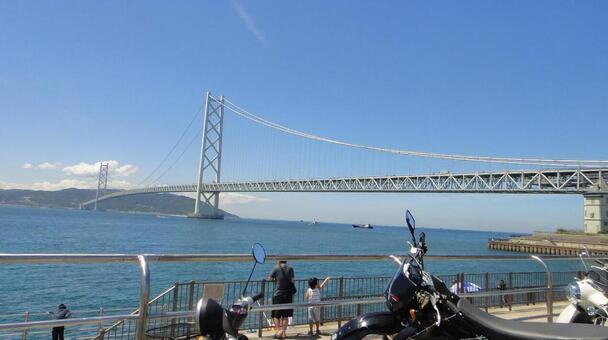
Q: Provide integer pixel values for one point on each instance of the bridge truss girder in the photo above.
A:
(577, 181)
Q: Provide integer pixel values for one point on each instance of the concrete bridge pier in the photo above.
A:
(208, 207)
(596, 212)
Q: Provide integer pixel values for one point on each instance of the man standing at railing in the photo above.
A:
(62, 312)
(284, 290)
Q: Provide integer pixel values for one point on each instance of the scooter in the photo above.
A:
(420, 306)
(587, 296)
(217, 323)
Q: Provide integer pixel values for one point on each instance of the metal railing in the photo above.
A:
(142, 316)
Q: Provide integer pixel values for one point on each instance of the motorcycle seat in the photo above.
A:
(497, 328)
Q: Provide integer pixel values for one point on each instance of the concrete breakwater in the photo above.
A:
(553, 244)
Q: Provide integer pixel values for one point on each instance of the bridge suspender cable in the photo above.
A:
(502, 160)
(196, 115)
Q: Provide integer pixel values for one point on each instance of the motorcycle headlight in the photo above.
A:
(574, 291)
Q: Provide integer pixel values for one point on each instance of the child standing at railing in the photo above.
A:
(313, 295)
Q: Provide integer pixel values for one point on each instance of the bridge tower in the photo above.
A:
(209, 167)
(102, 182)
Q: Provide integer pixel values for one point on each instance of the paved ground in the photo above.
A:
(532, 313)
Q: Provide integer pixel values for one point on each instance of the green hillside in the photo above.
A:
(71, 198)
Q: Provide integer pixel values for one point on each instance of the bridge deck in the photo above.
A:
(562, 181)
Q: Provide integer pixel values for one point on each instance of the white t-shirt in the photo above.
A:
(314, 295)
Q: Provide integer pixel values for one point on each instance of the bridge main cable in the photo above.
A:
(482, 159)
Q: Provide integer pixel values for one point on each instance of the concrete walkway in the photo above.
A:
(532, 313)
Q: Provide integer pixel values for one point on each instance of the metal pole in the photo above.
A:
(199, 186)
(261, 315)
(191, 295)
(144, 297)
(26, 317)
(549, 288)
(175, 301)
(99, 326)
(340, 296)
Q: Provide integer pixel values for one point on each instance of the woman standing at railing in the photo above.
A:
(284, 290)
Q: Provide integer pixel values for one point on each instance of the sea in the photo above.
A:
(41, 287)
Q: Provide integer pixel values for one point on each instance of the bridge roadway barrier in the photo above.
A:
(344, 297)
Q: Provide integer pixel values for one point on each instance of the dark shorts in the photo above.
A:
(282, 313)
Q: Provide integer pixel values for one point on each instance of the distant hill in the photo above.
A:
(71, 198)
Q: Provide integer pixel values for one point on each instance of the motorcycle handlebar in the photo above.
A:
(257, 296)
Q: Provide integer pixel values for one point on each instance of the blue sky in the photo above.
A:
(83, 82)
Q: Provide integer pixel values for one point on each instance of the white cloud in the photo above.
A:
(28, 165)
(49, 166)
(249, 22)
(230, 198)
(233, 198)
(83, 169)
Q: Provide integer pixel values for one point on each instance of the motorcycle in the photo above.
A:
(420, 306)
(587, 296)
(217, 323)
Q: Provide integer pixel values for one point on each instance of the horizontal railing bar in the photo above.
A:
(88, 258)
(509, 291)
(261, 308)
(65, 322)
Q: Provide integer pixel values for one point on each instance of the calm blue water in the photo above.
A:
(83, 286)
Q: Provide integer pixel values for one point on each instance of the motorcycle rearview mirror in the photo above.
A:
(259, 255)
(422, 238)
(411, 224)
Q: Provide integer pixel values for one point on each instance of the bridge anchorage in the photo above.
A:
(586, 178)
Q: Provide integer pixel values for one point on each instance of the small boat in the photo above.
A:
(363, 226)
(314, 222)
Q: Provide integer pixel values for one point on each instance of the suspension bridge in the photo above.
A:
(588, 178)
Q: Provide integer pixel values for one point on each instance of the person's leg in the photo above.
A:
(318, 324)
(61, 329)
(55, 333)
(285, 323)
(276, 323)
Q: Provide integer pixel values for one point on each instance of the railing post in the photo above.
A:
(144, 297)
(99, 326)
(261, 302)
(510, 299)
(340, 297)
(26, 317)
(460, 285)
(486, 286)
(549, 288)
(175, 300)
(191, 295)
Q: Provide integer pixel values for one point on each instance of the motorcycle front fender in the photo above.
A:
(573, 314)
(380, 323)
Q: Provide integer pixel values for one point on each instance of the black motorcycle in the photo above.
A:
(217, 323)
(420, 306)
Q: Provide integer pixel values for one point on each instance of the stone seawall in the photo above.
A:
(552, 244)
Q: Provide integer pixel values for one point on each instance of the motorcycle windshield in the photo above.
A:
(400, 292)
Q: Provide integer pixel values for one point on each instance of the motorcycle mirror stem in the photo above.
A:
(259, 256)
(583, 261)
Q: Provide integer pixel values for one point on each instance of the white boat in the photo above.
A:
(363, 226)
